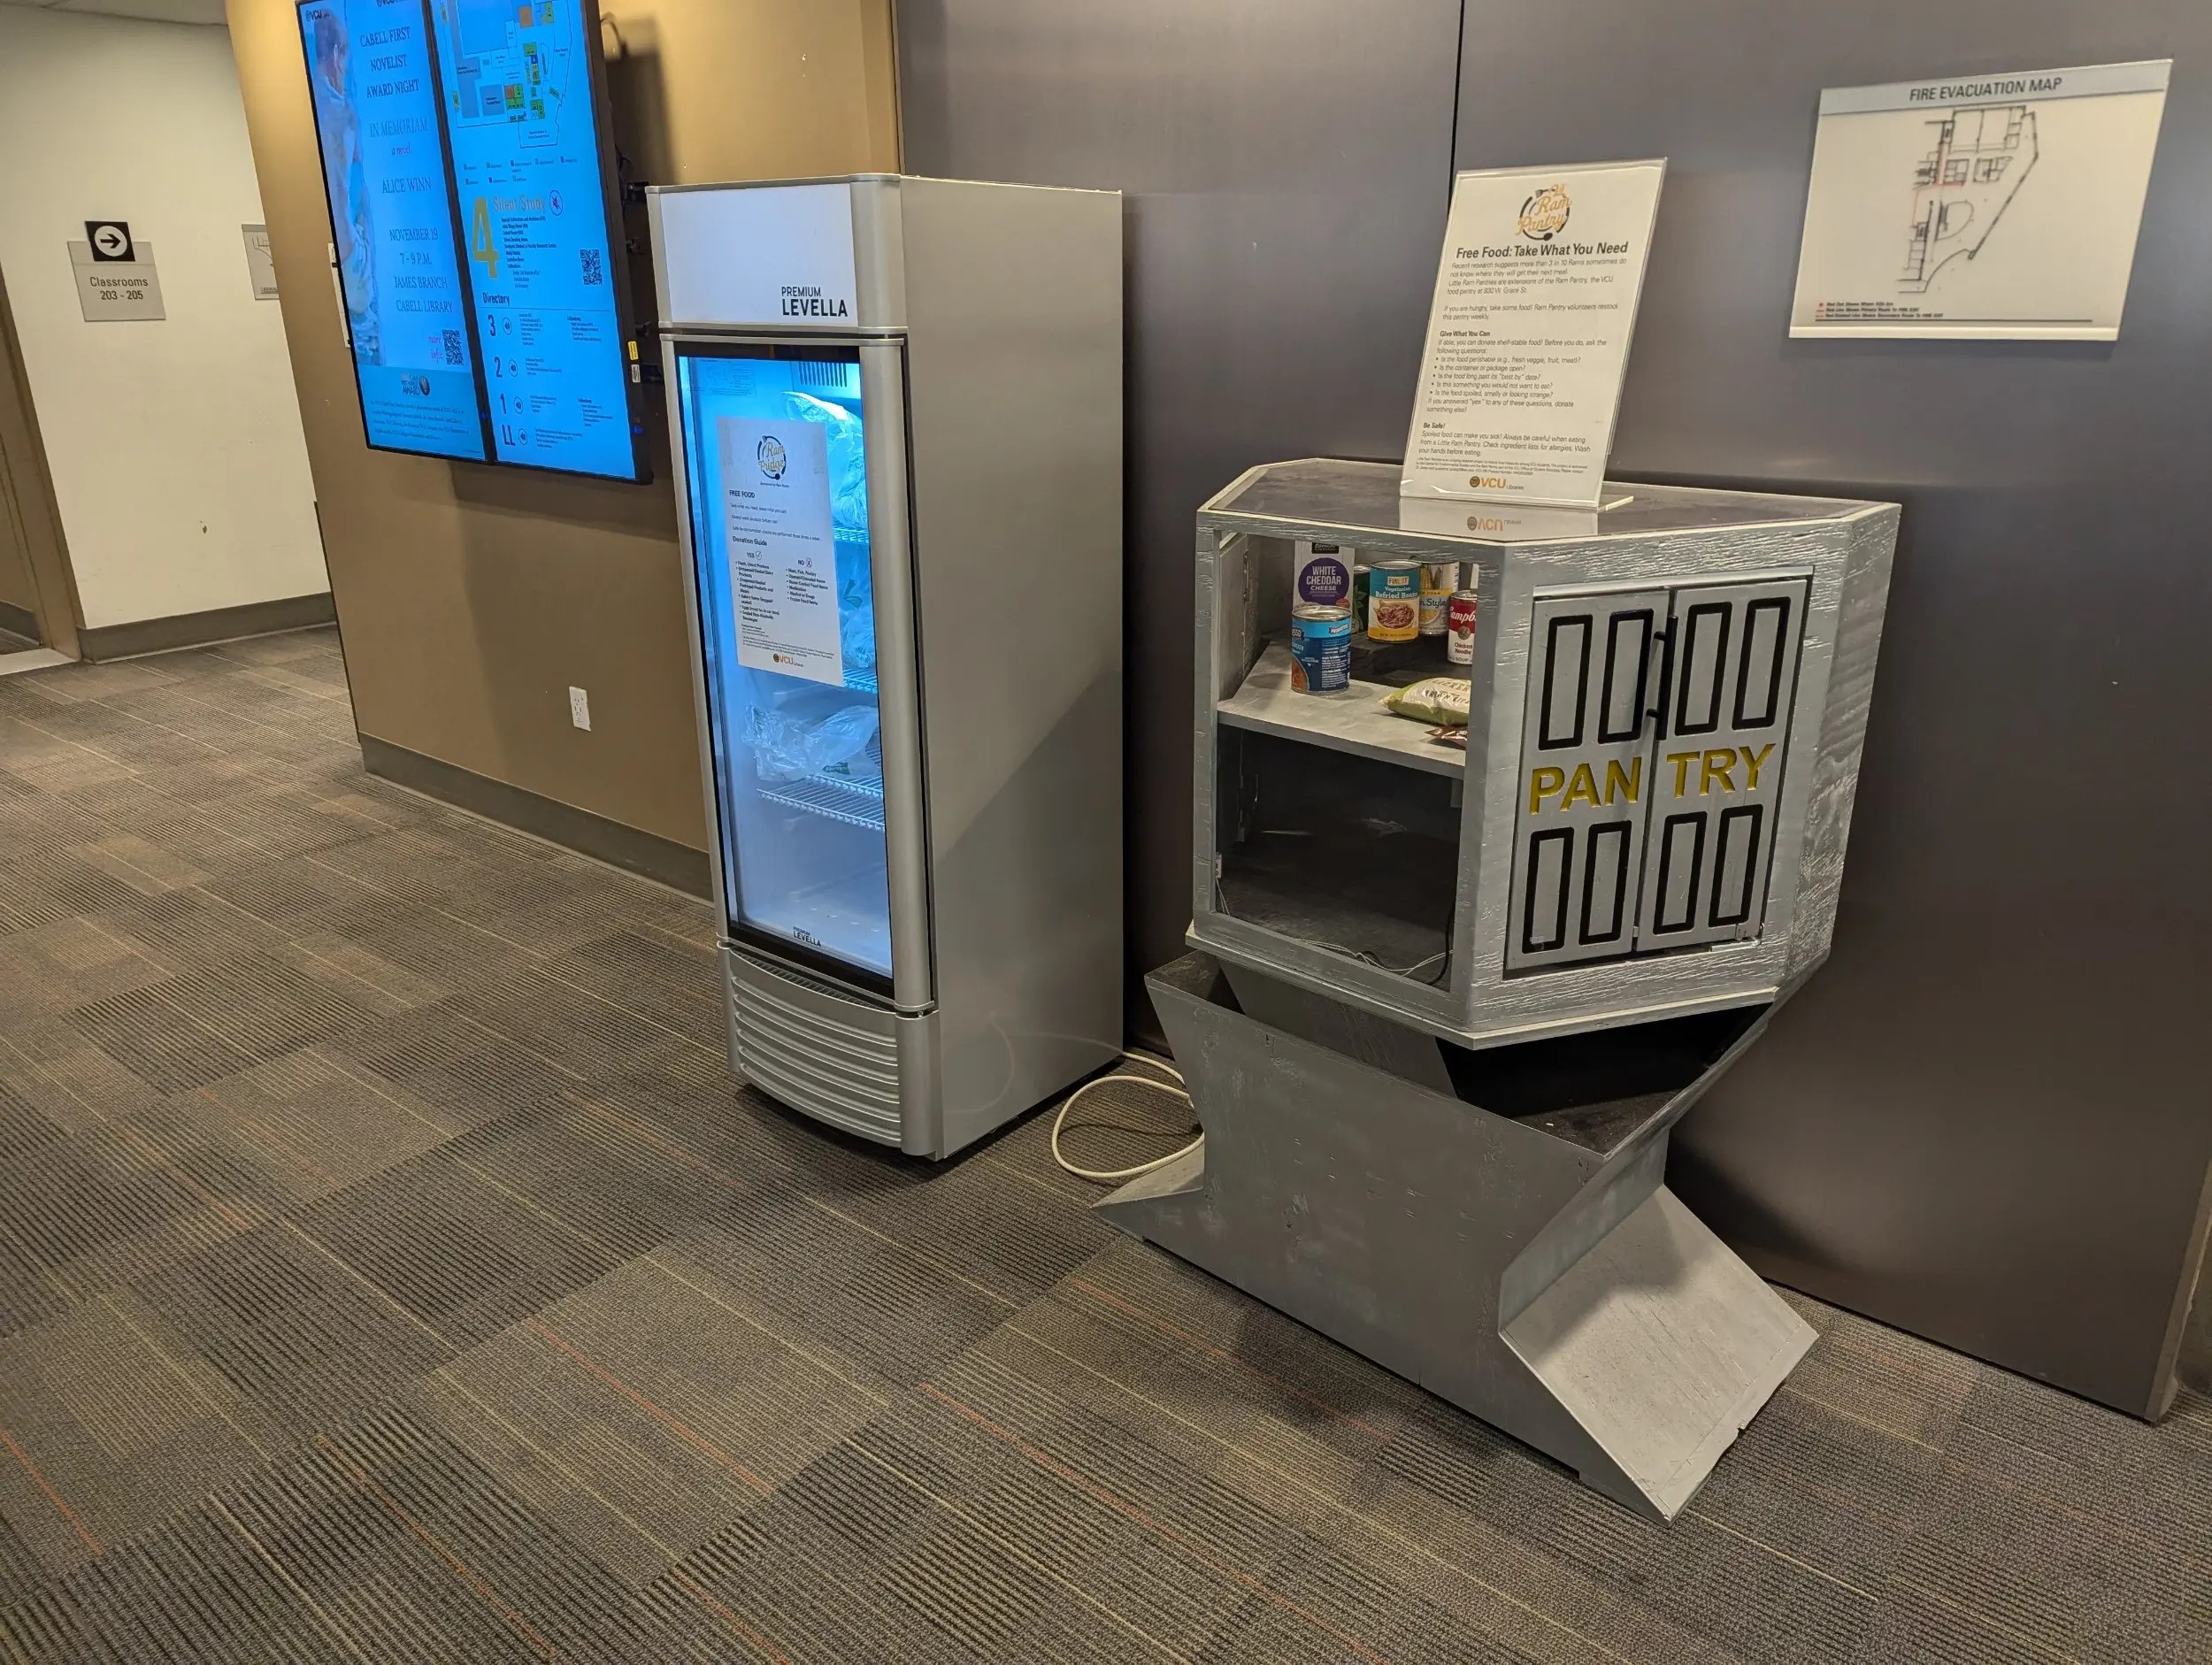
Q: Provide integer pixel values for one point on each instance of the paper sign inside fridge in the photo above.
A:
(783, 562)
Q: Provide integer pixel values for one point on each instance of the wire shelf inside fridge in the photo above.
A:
(856, 802)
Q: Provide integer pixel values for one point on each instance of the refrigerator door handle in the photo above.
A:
(898, 675)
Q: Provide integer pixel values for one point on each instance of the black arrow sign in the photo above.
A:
(111, 239)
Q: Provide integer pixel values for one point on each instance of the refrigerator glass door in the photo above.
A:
(775, 440)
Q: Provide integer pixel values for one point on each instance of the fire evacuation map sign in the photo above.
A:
(1989, 207)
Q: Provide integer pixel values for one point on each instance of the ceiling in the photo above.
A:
(163, 11)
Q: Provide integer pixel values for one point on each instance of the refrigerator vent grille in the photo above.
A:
(833, 1058)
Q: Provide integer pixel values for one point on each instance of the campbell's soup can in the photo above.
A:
(1322, 576)
(1440, 579)
(1394, 600)
(1459, 636)
(1320, 649)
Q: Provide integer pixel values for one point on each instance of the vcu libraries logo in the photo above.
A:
(1544, 215)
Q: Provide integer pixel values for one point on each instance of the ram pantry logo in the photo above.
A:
(770, 455)
(1543, 216)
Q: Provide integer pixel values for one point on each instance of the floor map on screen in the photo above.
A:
(525, 164)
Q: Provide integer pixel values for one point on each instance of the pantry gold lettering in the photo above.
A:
(1622, 785)
(1719, 770)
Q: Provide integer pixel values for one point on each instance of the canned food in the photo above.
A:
(1320, 647)
(1394, 600)
(1459, 640)
(1438, 580)
(1323, 575)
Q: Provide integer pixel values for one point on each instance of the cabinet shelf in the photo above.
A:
(1354, 721)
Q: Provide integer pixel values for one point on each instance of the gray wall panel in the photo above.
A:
(1986, 1118)
(1288, 165)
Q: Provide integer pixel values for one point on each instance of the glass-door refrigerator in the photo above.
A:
(895, 413)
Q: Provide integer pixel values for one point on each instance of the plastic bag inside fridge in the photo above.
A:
(775, 439)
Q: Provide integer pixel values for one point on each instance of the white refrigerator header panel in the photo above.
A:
(780, 257)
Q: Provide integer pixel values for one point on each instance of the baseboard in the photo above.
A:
(197, 630)
(20, 621)
(676, 865)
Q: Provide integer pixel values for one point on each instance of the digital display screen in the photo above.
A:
(462, 158)
(391, 219)
(519, 128)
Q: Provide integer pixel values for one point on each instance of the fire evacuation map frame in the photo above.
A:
(1980, 206)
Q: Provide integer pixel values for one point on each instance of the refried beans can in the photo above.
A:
(1459, 639)
(1394, 600)
(1320, 647)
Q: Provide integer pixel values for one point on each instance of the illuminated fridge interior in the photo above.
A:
(797, 752)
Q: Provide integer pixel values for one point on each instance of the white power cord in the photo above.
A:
(1109, 1176)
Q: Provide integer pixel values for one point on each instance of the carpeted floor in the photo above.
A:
(389, 1271)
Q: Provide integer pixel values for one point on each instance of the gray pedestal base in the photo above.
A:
(1524, 1262)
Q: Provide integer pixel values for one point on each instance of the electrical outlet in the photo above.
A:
(579, 709)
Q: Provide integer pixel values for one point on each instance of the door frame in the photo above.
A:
(26, 497)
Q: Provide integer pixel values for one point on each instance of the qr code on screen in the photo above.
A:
(453, 346)
(595, 265)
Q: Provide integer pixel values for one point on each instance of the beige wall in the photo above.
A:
(472, 598)
(173, 447)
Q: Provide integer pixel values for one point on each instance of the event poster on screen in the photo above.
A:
(391, 213)
(1535, 302)
(779, 529)
(471, 229)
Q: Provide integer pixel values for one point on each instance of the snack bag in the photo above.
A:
(1441, 700)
